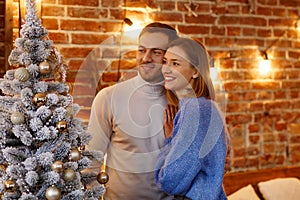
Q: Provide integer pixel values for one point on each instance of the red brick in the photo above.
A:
(270, 85)
(79, 38)
(75, 52)
(238, 119)
(203, 19)
(167, 5)
(166, 16)
(50, 24)
(82, 12)
(48, 10)
(79, 2)
(254, 139)
(59, 38)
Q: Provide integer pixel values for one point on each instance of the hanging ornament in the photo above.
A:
(57, 166)
(82, 148)
(17, 118)
(191, 7)
(44, 67)
(53, 193)
(10, 185)
(74, 154)
(70, 112)
(61, 126)
(3, 167)
(102, 177)
(83, 187)
(22, 74)
(69, 175)
(39, 99)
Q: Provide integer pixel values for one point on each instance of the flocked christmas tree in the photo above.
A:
(42, 142)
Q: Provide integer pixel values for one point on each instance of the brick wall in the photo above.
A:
(2, 34)
(262, 112)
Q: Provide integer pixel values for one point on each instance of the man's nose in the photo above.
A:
(147, 56)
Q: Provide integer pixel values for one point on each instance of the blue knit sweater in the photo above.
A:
(192, 160)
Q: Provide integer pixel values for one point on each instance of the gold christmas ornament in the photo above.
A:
(39, 99)
(82, 148)
(69, 175)
(57, 166)
(3, 167)
(70, 112)
(44, 67)
(61, 126)
(74, 154)
(53, 193)
(17, 118)
(10, 185)
(22, 74)
(102, 177)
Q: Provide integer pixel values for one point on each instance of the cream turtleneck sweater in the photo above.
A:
(126, 123)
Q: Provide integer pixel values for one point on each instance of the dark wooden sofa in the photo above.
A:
(234, 181)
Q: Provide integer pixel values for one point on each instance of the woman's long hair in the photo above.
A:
(198, 57)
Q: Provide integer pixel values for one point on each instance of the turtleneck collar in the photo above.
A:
(156, 89)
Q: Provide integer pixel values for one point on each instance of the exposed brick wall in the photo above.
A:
(2, 37)
(263, 113)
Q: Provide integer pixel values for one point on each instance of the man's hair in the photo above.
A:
(157, 27)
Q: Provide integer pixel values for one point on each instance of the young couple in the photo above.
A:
(161, 130)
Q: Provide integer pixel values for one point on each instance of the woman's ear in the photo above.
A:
(196, 74)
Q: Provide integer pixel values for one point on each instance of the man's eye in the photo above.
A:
(164, 61)
(158, 52)
(141, 50)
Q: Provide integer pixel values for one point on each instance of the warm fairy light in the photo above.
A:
(264, 67)
(132, 32)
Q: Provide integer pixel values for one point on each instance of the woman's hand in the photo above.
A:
(169, 116)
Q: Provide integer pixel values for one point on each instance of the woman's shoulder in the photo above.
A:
(188, 102)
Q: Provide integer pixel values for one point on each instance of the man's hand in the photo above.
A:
(169, 116)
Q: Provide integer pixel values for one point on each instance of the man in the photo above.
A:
(126, 121)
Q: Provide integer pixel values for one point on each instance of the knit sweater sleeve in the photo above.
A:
(193, 159)
(100, 125)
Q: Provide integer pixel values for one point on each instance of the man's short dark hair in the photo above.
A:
(157, 27)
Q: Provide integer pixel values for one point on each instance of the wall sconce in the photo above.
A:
(128, 21)
(264, 65)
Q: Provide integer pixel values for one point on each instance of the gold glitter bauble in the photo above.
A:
(53, 193)
(57, 166)
(69, 175)
(82, 148)
(44, 67)
(39, 99)
(61, 126)
(74, 155)
(22, 74)
(10, 186)
(102, 177)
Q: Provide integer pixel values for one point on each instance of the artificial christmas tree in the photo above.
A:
(42, 142)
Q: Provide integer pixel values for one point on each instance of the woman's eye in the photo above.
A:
(175, 64)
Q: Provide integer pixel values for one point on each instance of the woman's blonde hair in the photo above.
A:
(198, 57)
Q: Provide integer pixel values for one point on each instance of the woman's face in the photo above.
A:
(177, 70)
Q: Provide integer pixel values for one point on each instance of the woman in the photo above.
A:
(191, 164)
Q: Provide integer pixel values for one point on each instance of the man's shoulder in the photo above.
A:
(118, 86)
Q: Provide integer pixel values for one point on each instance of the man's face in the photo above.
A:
(150, 55)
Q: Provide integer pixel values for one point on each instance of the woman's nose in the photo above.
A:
(166, 68)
